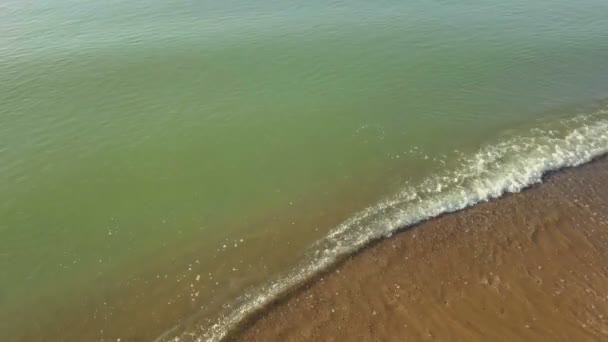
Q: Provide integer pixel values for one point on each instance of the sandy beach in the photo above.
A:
(531, 266)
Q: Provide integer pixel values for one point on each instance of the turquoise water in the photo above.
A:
(165, 163)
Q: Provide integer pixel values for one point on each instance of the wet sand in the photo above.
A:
(531, 266)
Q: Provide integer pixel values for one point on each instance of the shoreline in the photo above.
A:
(484, 177)
(274, 313)
(188, 326)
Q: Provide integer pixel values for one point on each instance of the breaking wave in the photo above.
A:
(508, 165)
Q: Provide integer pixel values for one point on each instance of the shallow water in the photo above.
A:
(145, 145)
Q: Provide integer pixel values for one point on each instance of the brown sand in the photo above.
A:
(531, 266)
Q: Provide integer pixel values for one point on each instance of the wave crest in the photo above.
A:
(507, 166)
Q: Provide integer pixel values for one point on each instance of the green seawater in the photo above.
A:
(160, 159)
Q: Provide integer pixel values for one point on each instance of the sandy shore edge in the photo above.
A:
(345, 293)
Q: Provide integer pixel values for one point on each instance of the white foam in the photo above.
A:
(507, 166)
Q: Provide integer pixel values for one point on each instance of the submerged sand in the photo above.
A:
(529, 266)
